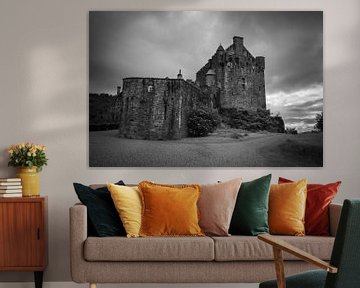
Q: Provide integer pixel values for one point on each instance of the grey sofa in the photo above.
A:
(234, 259)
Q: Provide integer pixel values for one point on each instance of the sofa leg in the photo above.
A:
(92, 285)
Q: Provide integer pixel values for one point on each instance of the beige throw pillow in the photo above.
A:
(216, 205)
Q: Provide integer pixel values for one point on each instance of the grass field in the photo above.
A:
(221, 149)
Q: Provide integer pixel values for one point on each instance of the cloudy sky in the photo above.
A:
(158, 44)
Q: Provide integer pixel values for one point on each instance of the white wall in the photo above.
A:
(44, 99)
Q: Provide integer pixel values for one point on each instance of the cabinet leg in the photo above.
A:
(92, 285)
(38, 279)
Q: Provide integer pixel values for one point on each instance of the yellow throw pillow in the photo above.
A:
(287, 204)
(127, 201)
(169, 210)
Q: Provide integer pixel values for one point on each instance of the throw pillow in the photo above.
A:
(102, 215)
(319, 197)
(216, 206)
(250, 215)
(127, 201)
(169, 210)
(287, 204)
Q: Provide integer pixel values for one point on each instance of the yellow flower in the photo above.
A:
(11, 151)
(28, 154)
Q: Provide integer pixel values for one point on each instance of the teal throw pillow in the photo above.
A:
(250, 216)
(103, 219)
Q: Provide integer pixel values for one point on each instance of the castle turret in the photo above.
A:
(220, 54)
(210, 78)
(179, 76)
(238, 44)
(220, 49)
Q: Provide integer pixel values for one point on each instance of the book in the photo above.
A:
(10, 180)
(4, 195)
(11, 190)
(10, 183)
(10, 186)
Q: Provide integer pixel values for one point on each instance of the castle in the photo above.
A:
(158, 108)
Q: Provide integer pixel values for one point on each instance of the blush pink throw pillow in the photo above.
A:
(216, 206)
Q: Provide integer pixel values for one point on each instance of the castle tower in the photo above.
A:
(238, 44)
(235, 77)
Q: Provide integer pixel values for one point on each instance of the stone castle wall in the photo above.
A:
(157, 108)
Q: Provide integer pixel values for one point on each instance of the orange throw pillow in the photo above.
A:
(169, 210)
(287, 204)
(318, 200)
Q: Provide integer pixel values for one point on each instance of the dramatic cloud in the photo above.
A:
(158, 44)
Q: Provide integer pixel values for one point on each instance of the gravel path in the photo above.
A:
(256, 150)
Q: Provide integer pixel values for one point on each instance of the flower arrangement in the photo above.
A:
(27, 155)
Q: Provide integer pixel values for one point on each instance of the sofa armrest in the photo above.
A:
(78, 235)
(284, 246)
(334, 217)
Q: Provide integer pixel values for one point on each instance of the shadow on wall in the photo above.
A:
(49, 107)
(47, 77)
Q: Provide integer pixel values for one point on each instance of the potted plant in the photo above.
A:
(30, 158)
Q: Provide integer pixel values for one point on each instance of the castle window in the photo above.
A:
(237, 61)
(151, 88)
(243, 83)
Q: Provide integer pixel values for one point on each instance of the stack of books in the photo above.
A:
(10, 187)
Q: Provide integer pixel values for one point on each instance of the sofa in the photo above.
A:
(233, 259)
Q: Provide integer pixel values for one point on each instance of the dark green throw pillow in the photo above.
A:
(103, 218)
(250, 216)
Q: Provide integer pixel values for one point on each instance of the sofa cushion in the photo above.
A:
(216, 205)
(243, 248)
(250, 215)
(169, 210)
(149, 249)
(102, 216)
(318, 199)
(287, 204)
(127, 201)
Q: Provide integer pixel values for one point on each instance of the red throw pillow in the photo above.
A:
(319, 197)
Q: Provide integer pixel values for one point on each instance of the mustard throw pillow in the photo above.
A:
(127, 201)
(287, 204)
(169, 210)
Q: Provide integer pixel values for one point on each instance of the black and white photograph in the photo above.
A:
(205, 89)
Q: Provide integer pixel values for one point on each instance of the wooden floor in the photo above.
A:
(74, 285)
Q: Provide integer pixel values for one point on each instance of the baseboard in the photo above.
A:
(74, 285)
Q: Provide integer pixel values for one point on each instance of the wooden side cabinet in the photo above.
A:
(23, 235)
